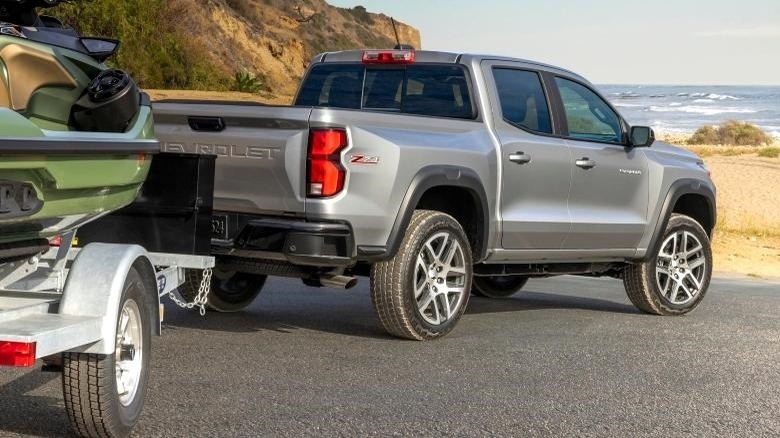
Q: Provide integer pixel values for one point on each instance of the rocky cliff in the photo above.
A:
(204, 44)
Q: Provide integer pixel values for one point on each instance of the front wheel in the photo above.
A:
(676, 279)
(104, 394)
(422, 292)
(498, 286)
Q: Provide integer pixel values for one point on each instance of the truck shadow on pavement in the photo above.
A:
(351, 313)
(526, 301)
(34, 415)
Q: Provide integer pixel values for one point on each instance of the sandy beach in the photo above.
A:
(747, 240)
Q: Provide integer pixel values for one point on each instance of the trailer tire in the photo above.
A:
(230, 291)
(90, 382)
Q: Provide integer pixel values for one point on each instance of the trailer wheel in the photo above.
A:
(104, 394)
(230, 291)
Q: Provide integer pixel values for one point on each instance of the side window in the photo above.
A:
(588, 116)
(523, 102)
(439, 91)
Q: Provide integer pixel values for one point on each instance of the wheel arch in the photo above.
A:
(95, 285)
(428, 184)
(690, 197)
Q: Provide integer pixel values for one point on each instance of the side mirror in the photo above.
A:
(641, 137)
(100, 48)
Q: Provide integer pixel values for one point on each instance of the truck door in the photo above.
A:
(610, 185)
(535, 170)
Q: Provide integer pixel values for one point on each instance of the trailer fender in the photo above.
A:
(95, 283)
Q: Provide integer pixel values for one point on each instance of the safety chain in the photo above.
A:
(200, 299)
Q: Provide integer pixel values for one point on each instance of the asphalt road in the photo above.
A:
(569, 357)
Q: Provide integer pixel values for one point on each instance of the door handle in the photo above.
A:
(585, 163)
(207, 124)
(520, 158)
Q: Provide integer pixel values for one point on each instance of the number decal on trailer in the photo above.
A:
(161, 283)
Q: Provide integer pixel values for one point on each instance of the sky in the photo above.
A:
(691, 42)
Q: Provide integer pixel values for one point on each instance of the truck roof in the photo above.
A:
(445, 57)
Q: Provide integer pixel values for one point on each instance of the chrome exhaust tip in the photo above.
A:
(338, 281)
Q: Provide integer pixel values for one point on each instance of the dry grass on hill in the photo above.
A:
(265, 98)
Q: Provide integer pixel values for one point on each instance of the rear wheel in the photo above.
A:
(230, 291)
(498, 286)
(422, 292)
(675, 281)
(104, 394)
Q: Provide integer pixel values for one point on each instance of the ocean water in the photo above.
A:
(685, 108)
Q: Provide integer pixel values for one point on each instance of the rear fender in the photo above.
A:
(95, 284)
(428, 178)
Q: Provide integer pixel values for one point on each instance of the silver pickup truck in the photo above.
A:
(441, 175)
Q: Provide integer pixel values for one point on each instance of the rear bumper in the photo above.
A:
(299, 242)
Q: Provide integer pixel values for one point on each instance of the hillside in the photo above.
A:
(203, 44)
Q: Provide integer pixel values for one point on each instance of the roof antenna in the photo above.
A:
(398, 45)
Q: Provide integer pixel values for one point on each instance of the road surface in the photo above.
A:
(568, 357)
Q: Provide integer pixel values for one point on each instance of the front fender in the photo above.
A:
(676, 191)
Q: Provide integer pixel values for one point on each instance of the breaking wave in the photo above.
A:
(703, 110)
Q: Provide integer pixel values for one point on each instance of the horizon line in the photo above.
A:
(687, 84)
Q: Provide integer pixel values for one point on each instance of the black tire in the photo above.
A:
(230, 291)
(89, 383)
(498, 286)
(643, 287)
(393, 282)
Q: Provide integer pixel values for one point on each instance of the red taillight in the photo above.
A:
(388, 57)
(326, 175)
(17, 354)
(55, 241)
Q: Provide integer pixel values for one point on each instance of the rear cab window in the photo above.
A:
(437, 90)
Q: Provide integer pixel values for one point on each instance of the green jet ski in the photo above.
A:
(76, 138)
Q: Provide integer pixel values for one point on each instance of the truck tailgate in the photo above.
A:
(261, 150)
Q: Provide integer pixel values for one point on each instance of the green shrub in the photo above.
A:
(705, 135)
(247, 82)
(582, 124)
(769, 152)
(362, 15)
(151, 51)
(731, 132)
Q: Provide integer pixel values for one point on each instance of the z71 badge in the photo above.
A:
(363, 159)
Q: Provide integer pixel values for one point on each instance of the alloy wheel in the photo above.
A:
(440, 279)
(681, 267)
